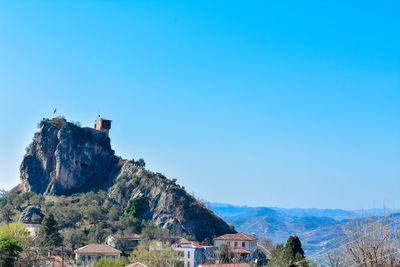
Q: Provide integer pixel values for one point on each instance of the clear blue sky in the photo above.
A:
(272, 103)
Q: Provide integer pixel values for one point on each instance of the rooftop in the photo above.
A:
(174, 240)
(128, 236)
(240, 251)
(238, 236)
(97, 248)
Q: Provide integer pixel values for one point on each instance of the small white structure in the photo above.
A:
(32, 218)
(33, 228)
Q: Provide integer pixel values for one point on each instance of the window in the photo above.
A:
(82, 258)
(229, 243)
(235, 244)
(89, 258)
(243, 244)
(188, 254)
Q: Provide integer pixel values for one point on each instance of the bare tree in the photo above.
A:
(370, 242)
(335, 259)
(266, 242)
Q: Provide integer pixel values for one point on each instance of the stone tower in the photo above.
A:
(102, 125)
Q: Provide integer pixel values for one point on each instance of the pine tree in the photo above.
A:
(294, 252)
(49, 231)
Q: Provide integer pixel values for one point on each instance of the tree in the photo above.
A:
(291, 254)
(69, 216)
(7, 212)
(16, 231)
(136, 206)
(369, 242)
(266, 242)
(140, 163)
(9, 249)
(150, 232)
(156, 254)
(94, 214)
(49, 231)
(223, 253)
(27, 196)
(14, 200)
(37, 200)
(98, 233)
(72, 238)
(114, 213)
(293, 250)
(128, 224)
(277, 256)
(108, 262)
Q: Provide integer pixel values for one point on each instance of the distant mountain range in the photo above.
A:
(317, 228)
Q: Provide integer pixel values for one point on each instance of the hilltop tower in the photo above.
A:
(102, 125)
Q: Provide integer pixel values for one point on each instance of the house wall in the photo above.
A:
(33, 229)
(189, 256)
(87, 258)
(249, 245)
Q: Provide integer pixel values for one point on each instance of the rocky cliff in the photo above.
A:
(64, 158)
(166, 204)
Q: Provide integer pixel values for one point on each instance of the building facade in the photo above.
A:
(87, 255)
(125, 243)
(102, 125)
(239, 243)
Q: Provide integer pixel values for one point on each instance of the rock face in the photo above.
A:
(167, 204)
(31, 215)
(64, 157)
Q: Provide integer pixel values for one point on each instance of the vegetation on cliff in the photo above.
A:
(72, 172)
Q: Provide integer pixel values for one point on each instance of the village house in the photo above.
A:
(191, 253)
(125, 243)
(88, 254)
(239, 244)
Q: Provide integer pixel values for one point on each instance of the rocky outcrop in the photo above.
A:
(64, 157)
(167, 204)
(31, 215)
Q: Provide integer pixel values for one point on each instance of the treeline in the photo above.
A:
(74, 221)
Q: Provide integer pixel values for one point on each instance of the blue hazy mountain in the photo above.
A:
(317, 228)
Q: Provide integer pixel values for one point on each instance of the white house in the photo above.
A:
(238, 243)
(193, 254)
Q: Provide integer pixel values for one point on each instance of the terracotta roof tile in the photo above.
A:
(240, 250)
(133, 236)
(197, 245)
(238, 236)
(97, 248)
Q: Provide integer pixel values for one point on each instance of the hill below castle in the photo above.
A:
(65, 159)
